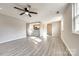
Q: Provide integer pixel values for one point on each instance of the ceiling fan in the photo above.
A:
(26, 11)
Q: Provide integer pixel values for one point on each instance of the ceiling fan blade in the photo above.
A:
(29, 15)
(18, 8)
(22, 13)
(33, 12)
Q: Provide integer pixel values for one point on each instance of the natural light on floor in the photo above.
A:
(36, 40)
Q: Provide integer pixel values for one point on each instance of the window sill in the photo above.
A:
(77, 32)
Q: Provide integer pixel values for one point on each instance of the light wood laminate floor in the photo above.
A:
(33, 46)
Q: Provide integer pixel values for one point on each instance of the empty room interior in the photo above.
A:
(39, 29)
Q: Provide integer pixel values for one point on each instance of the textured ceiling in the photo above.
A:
(46, 11)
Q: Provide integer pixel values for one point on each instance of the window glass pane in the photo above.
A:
(77, 17)
(77, 6)
(77, 24)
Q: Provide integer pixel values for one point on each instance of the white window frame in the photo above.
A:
(74, 17)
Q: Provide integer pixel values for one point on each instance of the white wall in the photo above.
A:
(43, 30)
(11, 28)
(70, 39)
(56, 28)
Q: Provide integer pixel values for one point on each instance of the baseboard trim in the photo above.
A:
(12, 40)
(67, 47)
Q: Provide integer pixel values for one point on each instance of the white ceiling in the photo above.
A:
(46, 11)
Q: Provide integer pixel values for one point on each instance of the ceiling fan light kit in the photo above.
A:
(26, 13)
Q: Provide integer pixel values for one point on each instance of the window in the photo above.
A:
(75, 21)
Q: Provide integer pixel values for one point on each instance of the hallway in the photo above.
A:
(33, 46)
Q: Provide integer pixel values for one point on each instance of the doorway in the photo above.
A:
(54, 28)
(33, 29)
